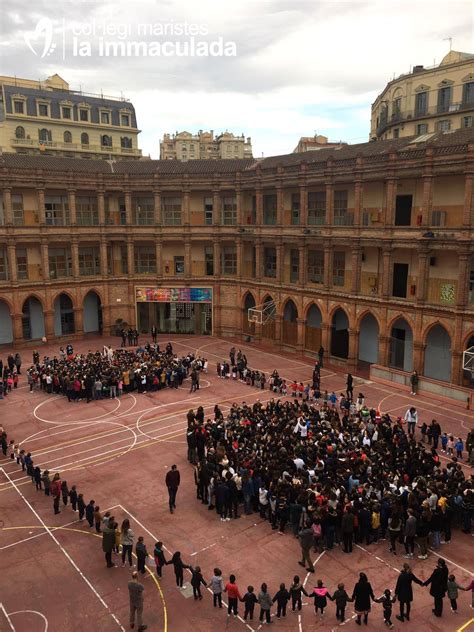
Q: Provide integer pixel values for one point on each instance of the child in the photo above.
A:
(30, 470)
(459, 447)
(387, 600)
(159, 556)
(296, 589)
(196, 581)
(217, 587)
(142, 554)
(73, 498)
(90, 510)
(282, 597)
(450, 446)
(249, 600)
(232, 591)
(265, 602)
(81, 506)
(64, 492)
(320, 598)
(106, 520)
(453, 588)
(341, 598)
(37, 477)
(97, 518)
(444, 441)
(46, 482)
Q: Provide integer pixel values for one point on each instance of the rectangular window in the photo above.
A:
(341, 216)
(229, 260)
(444, 126)
(294, 265)
(421, 103)
(89, 261)
(43, 109)
(125, 120)
(60, 263)
(209, 260)
(295, 209)
(466, 121)
(403, 206)
(84, 115)
(444, 99)
(87, 212)
(317, 207)
(22, 263)
(105, 118)
(171, 211)
(438, 218)
(67, 113)
(269, 262)
(208, 211)
(468, 93)
(19, 107)
(338, 268)
(400, 280)
(229, 210)
(144, 211)
(18, 211)
(269, 209)
(56, 210)
(396, 133)
(316, 266)
(179, 264)
(3, 265)
(145, 259)
(422, 128)
(396, 107)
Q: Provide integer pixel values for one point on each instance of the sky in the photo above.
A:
(292, 68)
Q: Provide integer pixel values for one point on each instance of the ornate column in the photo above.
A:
(128, 207)
(49, 323)
(130, 257)
(303, 205)
(325, 338)
(188, 267)
(427, 203)
(157, 207)
(103, 258)
(384, 349)
(467, 215)
(418, 355)
(358, 193)
(389, 209)
(217, 257)
(216, 207)
(12, 270)
(186, 209)
(258, 259)
(327, 266)
(464, 271)
(329, 203)
(41, 209)
(423, 273)
(356, 269)
(240, 257)
(386, 270)
(259, 206)
(75, 258)
(71, 195)
(45, 259)
(300, 322)
(79, 319)
(280, 254)
(159, 262)
(17, 323)
(353, 349)
(7, 203)
(101, 206)
(280, 205)
(238, 205)
(302, 264)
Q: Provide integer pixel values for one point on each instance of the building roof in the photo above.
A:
(439, 140)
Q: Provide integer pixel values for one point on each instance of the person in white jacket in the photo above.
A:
(301, 427)
(411, 417)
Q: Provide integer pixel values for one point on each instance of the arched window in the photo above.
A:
(20, 132)
(84, 138)
(126, 142)
(67, 137)
(44, 135)
(106, 141)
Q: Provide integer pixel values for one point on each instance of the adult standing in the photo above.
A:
(126, 540)
(154, 333)
(438, 581)
(172, 480)
(56, 492)
(362, 594)
(414, 383)
(347, 529)
(321, 356)
(135, 592)
(411, 417)
(404, 591)
(435, 433)
(349, 386)
(306, 542)
(108, 542)
(18, 363)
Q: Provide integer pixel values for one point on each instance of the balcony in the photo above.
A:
(72, 147)
(406, 115)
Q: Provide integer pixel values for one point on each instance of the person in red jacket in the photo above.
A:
(233, 593)
(172, 481)
(56, 492)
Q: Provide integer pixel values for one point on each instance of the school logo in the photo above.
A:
(42, 35)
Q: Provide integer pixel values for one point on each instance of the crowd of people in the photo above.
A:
(111, 373)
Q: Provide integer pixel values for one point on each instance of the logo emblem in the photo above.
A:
(43, 33)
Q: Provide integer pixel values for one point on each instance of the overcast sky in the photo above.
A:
(300, 66)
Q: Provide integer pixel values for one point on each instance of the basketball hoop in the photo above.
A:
(468, 361)
(263, 313)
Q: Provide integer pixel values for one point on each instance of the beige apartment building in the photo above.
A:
(426, 100)
(48, 118)
(314, 143)
(204, 146)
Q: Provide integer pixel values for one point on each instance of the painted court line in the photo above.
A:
(9, 621)
(63, 550)
(40, 614)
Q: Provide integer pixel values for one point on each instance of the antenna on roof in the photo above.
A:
(450, 40)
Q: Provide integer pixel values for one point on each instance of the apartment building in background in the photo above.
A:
(204, 146)
(316, 142)
(426, 100)
(48, 118)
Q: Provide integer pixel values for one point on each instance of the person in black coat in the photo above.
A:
(404, 591)
(361, 595)
(439, 585)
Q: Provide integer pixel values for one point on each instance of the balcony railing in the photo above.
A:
(344, 220)
(406, 115)
(58, 146)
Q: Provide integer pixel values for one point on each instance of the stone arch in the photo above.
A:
(268, 328)
(32, 318)
(64, 322)
(290, 323)
(313, 328)
(401, 344)
(6, 323)
(248, 301)
(339, 333)
(437, 361)
(92, 315)
(369, 331)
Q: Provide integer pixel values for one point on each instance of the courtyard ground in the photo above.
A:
(53, 574)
